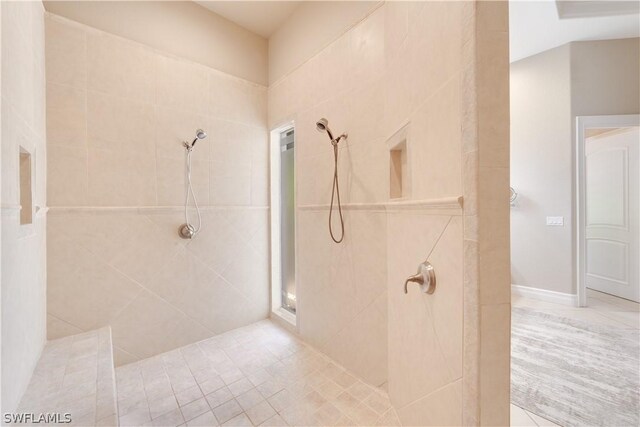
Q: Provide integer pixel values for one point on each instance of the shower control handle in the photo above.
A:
(426, 278)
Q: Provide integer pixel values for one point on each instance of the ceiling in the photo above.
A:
(581, 8)
(535, 26)
(260, 17)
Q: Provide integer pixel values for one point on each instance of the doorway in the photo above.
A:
(608, 202)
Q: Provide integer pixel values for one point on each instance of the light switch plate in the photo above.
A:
(555, 220)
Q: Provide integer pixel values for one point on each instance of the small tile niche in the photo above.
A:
(399, 167)
(26, 198)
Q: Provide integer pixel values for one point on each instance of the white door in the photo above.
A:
(612, 203)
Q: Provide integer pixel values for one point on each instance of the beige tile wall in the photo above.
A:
(341, 289)
(425, 331)
(117, 113)
(487, 284)
(441, 68)
(23, 246)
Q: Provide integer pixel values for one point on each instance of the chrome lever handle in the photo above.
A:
(426, 278)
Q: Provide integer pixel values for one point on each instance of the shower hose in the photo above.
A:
(190, 192)
(335, 191)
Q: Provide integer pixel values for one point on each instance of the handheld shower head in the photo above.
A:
(323, 126)
(186, 230)
(200, 134)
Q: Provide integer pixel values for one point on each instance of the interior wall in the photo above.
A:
(549, 91)
(23, 246)
(370, 82)
(604, 77)
(486, 148)
(312, 26)
(341, 289)
(117, 113)
(541, 173)
(1, 203)
(181, 28)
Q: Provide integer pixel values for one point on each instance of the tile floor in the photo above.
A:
(263, 375)
(602, 309)
(256, 375)
(75, 375)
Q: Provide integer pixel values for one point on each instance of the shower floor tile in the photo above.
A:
(256, 375)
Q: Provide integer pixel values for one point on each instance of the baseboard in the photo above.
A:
(545, 295)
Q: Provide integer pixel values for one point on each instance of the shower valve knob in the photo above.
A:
(426, 278)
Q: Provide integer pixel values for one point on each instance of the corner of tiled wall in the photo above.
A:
(23, 245)
(486, 191)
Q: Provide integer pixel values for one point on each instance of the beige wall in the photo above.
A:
(549, 91)
(485, 177)
(117, 113)
(311, 28)
(370, 82)
(181, 28)
(604, 77)
(341, 289)
(23, 246)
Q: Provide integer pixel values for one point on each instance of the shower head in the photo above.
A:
(323, 126)
(200, 134)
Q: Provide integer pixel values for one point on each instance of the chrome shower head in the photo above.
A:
(200, 134)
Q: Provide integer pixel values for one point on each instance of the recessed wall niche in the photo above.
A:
(26, 195)
(399, 165)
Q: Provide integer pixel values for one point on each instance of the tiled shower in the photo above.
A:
(115, 133)
(190, 325)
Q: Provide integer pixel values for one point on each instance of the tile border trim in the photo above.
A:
(144, 209)
(441, 204)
